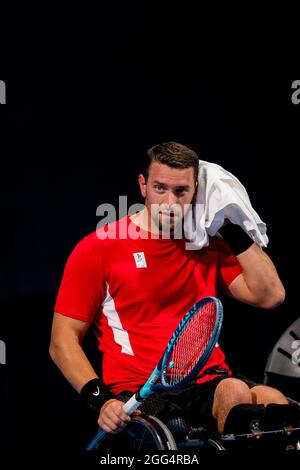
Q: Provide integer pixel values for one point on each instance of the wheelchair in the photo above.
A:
(280, 431)
(148, 433)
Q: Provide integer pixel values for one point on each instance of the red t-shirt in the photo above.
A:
(137, 291)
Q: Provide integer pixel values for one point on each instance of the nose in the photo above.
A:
(170, 198)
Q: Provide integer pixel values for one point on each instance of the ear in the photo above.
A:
(142, 183)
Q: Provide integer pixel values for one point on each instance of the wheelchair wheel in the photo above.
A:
(166, 434)
(143, 433)
(215, 444)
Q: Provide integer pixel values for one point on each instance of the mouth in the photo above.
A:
(168, 214)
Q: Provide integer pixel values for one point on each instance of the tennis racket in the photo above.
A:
(185, 355)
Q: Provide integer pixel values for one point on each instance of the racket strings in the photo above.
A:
(191, 344)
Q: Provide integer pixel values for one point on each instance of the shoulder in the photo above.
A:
(216, 245)
(103, 237)
(218, 251)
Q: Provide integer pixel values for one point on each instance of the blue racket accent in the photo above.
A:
(175, 371)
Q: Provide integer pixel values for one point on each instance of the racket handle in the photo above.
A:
(97, 440)
(129, 407)
(132, 404)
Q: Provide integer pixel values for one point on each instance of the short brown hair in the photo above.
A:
(174, 155)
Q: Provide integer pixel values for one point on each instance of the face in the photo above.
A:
(168, 192)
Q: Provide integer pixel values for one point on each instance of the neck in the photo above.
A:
(143, 220)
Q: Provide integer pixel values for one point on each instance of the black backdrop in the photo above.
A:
(81, 112)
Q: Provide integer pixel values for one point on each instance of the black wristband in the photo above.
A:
(236, 238)
(94, 394)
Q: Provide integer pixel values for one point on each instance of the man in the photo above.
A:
(137, 288)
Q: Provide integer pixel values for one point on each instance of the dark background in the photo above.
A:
(87, 95)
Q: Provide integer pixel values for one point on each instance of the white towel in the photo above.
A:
(220, 195)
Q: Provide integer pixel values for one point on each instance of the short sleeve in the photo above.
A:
(229, 266)
(83, 283)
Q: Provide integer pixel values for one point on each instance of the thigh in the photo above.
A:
(193, 403)
(249, 382)
(198, 404)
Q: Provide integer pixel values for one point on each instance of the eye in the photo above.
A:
(180, 191)
(159, 188)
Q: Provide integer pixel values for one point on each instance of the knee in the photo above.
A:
(233, 388)
(230, 392)
(262, 394)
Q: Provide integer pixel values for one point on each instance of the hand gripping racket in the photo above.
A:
(185, 355)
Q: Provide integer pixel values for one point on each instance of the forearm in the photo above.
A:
(73, 363)
(261, 277)
(259, 285)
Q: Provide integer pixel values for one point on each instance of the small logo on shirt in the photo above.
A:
(140, 260)
(97, 392)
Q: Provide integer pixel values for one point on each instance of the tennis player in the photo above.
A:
(136, 288)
